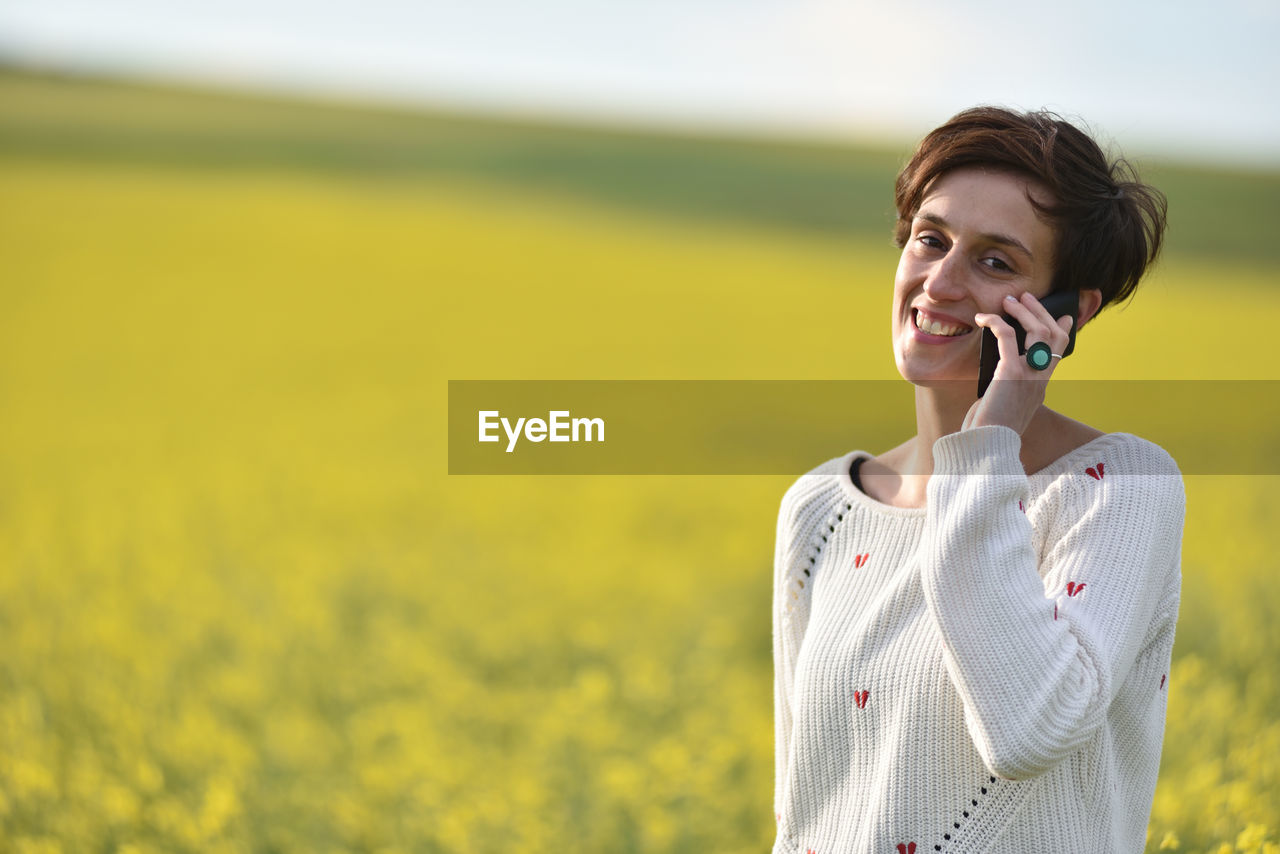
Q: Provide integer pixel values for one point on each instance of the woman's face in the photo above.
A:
(975, 239)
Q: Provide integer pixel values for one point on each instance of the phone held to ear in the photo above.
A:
(1058, 305)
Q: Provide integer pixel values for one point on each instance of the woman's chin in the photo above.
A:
(939, 377)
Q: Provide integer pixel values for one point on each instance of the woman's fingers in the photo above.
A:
(1006, 340)
(1015, 404)
(1052, 325)
(1038, 323)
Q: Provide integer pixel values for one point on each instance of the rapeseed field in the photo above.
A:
(243, 607)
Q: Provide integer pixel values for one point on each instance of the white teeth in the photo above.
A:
(934, 327)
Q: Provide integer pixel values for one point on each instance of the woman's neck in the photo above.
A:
(900, 477)
(940, 411)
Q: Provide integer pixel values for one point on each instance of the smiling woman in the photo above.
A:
(975, 240)
(972, 630)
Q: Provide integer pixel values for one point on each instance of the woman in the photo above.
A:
(972, 630)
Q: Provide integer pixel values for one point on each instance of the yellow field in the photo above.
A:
(243, 608)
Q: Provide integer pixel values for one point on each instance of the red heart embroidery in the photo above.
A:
(1073, 589)
(1094, 472)
(860, 697)
(859, 560)
(1020, 507)
(906, 848)
(1162, 675)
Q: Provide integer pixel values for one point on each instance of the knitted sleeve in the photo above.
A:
(811, 498)
(1037, 645)
(783, 674)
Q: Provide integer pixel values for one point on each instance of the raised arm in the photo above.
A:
(1037, 645)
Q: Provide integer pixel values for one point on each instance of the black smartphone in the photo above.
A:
(1058, 304)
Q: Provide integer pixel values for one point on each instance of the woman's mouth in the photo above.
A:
(941, 327)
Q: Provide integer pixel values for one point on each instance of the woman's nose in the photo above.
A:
(945, 279)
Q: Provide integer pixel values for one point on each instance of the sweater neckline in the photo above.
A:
(860, 498)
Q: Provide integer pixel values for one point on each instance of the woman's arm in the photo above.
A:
(1038, 651)
(809, 505)
(783, 662)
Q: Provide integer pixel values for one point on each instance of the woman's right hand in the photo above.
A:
(1017, 390)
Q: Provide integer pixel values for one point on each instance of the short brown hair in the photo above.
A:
(1108, 224)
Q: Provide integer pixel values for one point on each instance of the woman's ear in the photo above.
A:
(1090, 302)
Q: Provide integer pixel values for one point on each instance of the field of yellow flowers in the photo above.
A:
(243, 607)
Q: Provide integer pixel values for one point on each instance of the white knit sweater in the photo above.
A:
(987, 673)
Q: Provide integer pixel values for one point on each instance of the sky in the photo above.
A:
(1176, 78)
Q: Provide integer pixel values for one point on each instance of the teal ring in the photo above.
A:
(1039, 356)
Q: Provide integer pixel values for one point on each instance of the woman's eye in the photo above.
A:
(930, 240)
(997, 264)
